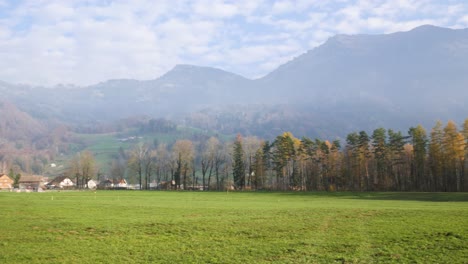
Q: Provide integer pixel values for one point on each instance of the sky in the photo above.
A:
(51, 42)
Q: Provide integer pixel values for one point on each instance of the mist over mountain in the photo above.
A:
(350, 82)
(425, 62)
(394, 80)
(183, 89)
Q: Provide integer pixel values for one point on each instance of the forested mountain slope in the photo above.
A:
(18, 125)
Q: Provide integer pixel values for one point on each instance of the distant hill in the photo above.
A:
(17, 125)
(350, 82)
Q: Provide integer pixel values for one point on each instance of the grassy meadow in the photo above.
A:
(233, 227)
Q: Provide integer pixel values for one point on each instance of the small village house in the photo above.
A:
(122, 183)
(105, 184)
(33, 182)
(113, 184)
(92, 184)
(6, 183)
(61, 182)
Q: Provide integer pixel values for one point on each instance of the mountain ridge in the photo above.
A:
(177, 67)
(383, 77)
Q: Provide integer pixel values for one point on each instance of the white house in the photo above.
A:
(92, 184)
(61, 182)
(120, 183)
(113, 184)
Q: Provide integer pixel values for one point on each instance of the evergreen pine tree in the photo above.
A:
(238, 166)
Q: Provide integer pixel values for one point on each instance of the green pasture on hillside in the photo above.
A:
(233, 227)
(105, 146)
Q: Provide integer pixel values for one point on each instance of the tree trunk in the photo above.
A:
(209, 175)
(204, 169)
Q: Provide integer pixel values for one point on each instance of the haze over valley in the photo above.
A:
(101, 80)
(247, 131)
(351, 82)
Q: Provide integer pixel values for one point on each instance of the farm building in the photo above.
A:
(113, 184)
(6, 183)
(92, 184)
(62, 182)
(33, 182)
(106, 184)
(122, 183)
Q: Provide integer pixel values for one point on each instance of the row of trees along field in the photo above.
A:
(385, 160)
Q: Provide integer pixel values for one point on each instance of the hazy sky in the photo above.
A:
(49, 42)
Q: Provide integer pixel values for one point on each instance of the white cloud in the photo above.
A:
(283, 7)
(216, 9)
(54, 41)
(463, 20)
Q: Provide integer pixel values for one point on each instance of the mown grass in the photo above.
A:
(216, 227)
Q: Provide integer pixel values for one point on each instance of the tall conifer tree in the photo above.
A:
(419, 141)
(238, 166)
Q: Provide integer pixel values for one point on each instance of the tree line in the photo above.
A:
(385, 160)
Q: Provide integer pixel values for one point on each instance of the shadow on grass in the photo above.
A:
(395, 196)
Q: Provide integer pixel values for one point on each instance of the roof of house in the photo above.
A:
(57, 180)
(4, 175)
(113, 181)
(31, 179)
(121, 181)
(106, 181)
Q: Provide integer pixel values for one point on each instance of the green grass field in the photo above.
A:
(216, 227)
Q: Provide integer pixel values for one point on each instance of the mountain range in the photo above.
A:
(350, 82)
